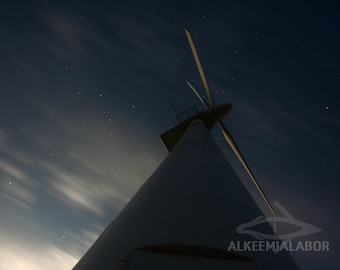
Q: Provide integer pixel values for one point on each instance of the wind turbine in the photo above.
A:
(185, 214)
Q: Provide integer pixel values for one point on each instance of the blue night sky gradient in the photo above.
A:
(86, 90)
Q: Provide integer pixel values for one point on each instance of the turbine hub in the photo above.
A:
(218, 112)
(215, 115)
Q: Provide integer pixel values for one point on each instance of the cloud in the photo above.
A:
(85, 166)
(19, 194)
(15, 256)
(11, 171)
(68, 179)
(69, 33)
(16, 185)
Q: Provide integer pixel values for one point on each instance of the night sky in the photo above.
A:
(86, 89)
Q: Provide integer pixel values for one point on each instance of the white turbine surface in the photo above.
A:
(184, 216)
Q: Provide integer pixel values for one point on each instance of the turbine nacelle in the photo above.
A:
(218, 112)
(211, 117)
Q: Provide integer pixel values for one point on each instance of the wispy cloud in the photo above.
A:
(16, 256)
(93, 169)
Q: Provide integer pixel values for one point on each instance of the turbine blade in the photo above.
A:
(198, 95)
(237, 152)
(199, 66)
